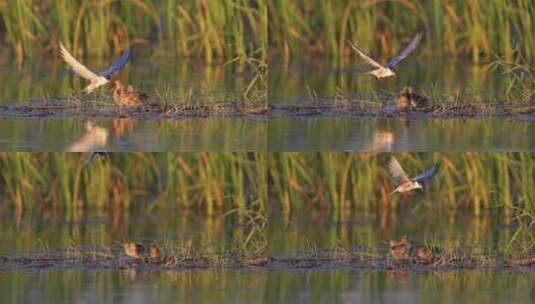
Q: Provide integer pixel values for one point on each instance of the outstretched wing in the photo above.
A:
(365, 57)
(398, 175)
(76, 66)
(406, 51)
(117, 65)
(427, 174)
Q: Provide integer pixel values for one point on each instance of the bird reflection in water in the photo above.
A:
(97, 138)
(382, 142)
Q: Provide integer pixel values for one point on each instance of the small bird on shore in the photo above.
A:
(127, 95)
(97, 80)
(407, 99)
(424, 255)
(154, 251)
(402, 180)
(399, 250)
(385, 71)
(133, 250)
(137, 251)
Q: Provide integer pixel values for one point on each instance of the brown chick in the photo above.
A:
(424, 255)
(127, 96)
(133, 250)
(407, 99)
(154, 251)
(403, 102)
(400, 250)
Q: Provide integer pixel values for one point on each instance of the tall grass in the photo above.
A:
(203, 182)
(199, 28)
(457, 28)
(343, 183)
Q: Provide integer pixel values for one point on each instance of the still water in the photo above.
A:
(229, 286)
(307, 79)
(344, 133)
(127, 135)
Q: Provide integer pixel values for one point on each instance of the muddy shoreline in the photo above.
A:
(345, 260)
(374, 110)
(84, 109)
(91, 110)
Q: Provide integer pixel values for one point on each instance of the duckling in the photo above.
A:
(127, 96)
(424, 255)
(133, 250)
(154, 251)
(403, 102)
(407, 100)
(399, 250)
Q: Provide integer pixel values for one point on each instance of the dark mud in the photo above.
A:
(84, 109)
(347, 259)
(91, 109)
(515, 110)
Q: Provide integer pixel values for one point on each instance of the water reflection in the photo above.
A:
(318, 230)
(222, 286)
(229, 286)
(94, 139)
(392, 287)
(301, 80)
(157, 76)
(207, 134)
(382, 141)
(345, 133)
(23, 234)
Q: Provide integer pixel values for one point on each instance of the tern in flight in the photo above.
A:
(402, 180)
(387, 70)
(97, 80)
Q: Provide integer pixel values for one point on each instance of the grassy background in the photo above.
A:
(457, 28)
(203, 182)
(221, 29)
(342, 183)
(231, 28)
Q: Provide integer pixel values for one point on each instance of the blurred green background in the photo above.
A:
(475, 29)
(206, 183)
(207, 29)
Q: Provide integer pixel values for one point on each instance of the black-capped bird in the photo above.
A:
(384, 71)
(402, 180)
(96, 79)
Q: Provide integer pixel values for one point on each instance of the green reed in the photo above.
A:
(474, 182)
(458, 28)
(199, 28)
(204, 182)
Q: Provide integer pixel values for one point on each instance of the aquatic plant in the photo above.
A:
(517, 74)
